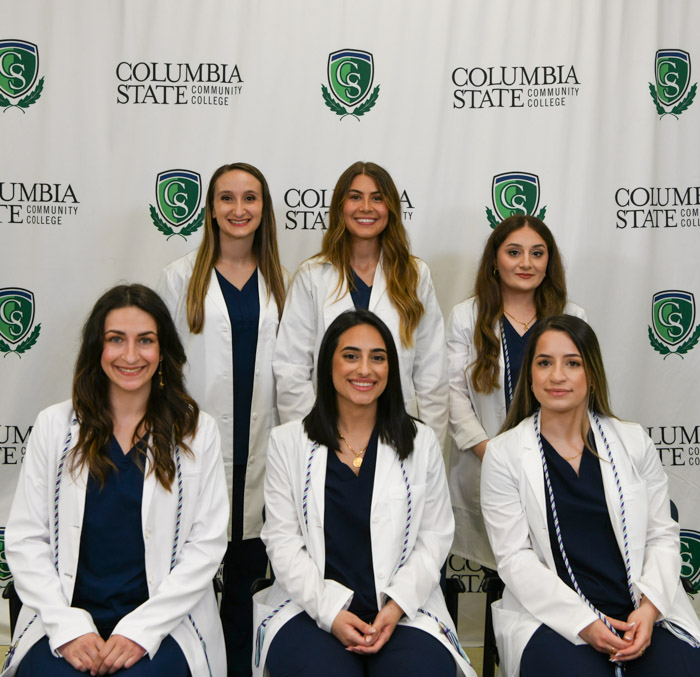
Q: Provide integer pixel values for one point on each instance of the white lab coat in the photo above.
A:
(30, 540)
(474, 417)
(513, 497)
(296, 544)
(209, 375)
(311, 306)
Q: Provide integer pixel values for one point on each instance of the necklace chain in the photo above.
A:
(357, 461)
(524, 324)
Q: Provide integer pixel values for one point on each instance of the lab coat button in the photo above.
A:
(251, 459)
(255, 416)
(148, 533)
(380, 575)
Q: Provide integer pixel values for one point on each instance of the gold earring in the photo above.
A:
(160, 372)
(495, 271)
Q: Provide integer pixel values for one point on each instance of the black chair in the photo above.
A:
(493, 586)
(10, 594)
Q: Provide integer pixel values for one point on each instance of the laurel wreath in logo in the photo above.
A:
(681, 350)
(678, 108)
(22, 347)
(338, 109)
(24, 102)
(493, 221)
(164, 228)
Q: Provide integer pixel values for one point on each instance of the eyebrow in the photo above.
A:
(567, 355)
(360, 192)
(250, 191)
(123, 333)
(372, 350)
(534, 246)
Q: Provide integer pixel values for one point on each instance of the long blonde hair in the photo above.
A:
(399, 266)
(264, 249)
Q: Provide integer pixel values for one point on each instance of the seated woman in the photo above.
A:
(577, 511)
(119, 521)
(358, 525)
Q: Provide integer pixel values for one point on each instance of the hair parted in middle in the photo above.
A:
(525, 404)
(550, 296)
(394, 424)
(171, 414)
(399, 266)
(264, 248)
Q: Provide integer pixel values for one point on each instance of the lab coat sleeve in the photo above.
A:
(537, 587)
(293, 361)
(282, 534)
(662, 562)
(412, 584)
(199, 557)
(464, 424)
(27, 538)
(429, 369)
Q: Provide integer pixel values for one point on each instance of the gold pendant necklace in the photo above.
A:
(357, 461)
(524, 324)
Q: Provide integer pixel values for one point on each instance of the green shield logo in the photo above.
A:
(178, 192)
(690, 557)
(350, 75)
(672, 68)
(16, 313)
(672, 315)
(19, 65)
(515, 193)
(5, 575)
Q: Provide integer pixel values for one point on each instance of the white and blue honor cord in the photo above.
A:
(508, 380)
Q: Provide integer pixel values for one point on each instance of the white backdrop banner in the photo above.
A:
(113, 116)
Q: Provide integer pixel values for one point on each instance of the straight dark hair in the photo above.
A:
(394, 425)
(171, 414)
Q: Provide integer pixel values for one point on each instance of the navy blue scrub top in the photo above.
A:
(516, 345)
(111, 576)
(587, 532)
(348, 502)
(243, 307)
(361, 293)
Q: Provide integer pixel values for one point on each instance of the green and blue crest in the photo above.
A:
(350, 79)
(672, 68)
(19, 66)
(672, 320)
(5, 575)
(514, 193)
(690, 557)
(178, 194)
(16, 319)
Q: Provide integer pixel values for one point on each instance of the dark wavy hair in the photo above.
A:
(525, 404)
(550, 296)
(394, 425)
(171, 414)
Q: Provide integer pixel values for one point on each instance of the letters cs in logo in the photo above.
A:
(672, 71)
(690, 558)
(16, 319)
(672, 318)
(514, 193)
(19, 66)
(350, 77)
(178, 194)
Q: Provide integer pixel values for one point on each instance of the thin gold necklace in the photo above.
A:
(525, 324)
(357, 461)
(571, 458)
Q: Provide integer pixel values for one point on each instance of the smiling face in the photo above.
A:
(559, 380)
(364, 211)
(130, 352)
(521, 260)
(360, 367)
(238, 204)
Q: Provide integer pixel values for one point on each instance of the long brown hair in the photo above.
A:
(550, 296)
(524, 403)
(399, 266)
(264, 249)
(171, 414)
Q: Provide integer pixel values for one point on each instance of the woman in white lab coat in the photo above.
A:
(365, 262)
(358, 525)
(226, 299)
(119, 520)
(577, 510)
(520, 280)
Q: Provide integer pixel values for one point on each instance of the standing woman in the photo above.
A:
(578, 513)
(520, 281)
(118, 524)
(226, 299)
(358, 525)
(365, 262)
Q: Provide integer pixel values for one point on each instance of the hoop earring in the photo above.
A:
(495, 271)
(160, 372)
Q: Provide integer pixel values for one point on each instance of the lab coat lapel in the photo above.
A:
(387, 460)
(378, 287)
(332, 304)
(149, 488)
(72, 493)
(267, 304)
(315, 499)
(215, 295)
